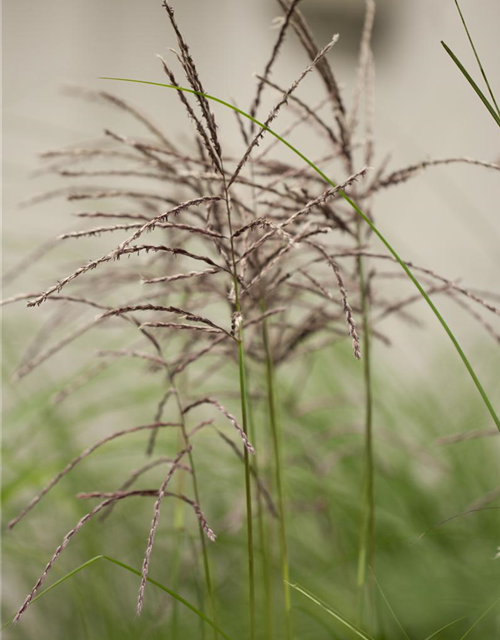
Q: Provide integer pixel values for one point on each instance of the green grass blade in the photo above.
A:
(118, 563)
(56, 584)
(375, 230)
(492, 606)
(454, 517)
(319, 620)
(483, 72)
(389, 607)
(179, 598)
(335, 614)
(446, 626)
(481, 95)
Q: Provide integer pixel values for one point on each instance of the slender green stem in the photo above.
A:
(273, 417)
(367, 220)
(206, 563)
(176, 560)
(367, 543)
(248, 486)
(184, 441)
(244, 415)
(204, 550)
(483, 72)
(267, 591)
(264, 532)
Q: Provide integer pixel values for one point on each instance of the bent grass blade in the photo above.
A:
(335, 614)
(441, 629)
(483, 615)
(366, 219)
(393, 613)
(118, 563)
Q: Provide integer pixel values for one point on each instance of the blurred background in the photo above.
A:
(423, 110)
(447, 220)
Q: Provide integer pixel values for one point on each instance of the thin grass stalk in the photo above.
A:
(248, 486)
(266, 566)
(178, 529)
(273, 417)
(263, 539)
(244, 412)
(199, 590)
(204, 550)
(367, 533)
(185, 440)
(175, 582)
(367, 541)
(266, 547)
(206, 563)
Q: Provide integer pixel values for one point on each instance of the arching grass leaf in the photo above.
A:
(118, 563)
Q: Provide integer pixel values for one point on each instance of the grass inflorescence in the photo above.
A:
(231, 268)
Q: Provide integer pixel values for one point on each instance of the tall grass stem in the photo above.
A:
(244, 415)
(267, 591)
(367, 542)
(275, 432)
(204, 550)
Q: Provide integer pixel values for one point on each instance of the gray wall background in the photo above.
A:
(447, 220)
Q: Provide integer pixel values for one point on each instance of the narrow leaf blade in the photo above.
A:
(472, 83)
(483, 72)
(483, 615)
(118, 563)
(335, 614)
(446, 626)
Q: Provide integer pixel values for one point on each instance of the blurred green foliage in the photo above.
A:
(429, 574)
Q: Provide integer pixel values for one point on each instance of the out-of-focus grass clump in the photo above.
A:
(430, 574)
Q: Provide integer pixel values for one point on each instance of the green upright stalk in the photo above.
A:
(271, 398)
(248, 488)
(362, 215)
(367, 542)
(266, 567)
(264, 547)
(266, 551)
(244, 416)
(206, 564)
(204, 550)
(178, 528)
